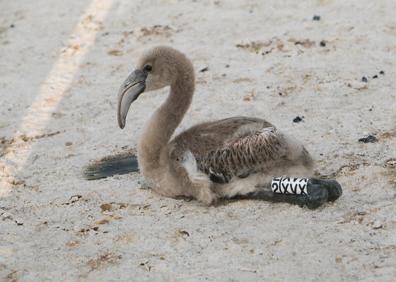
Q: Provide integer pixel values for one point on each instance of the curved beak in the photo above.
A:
(129, 91)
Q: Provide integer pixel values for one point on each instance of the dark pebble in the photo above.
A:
(322, 43)
(375, 76)
(204, 69)
(316, 18)
(382, 72)
(368, 139)
(364, 79)
(12, 26)
(298, 119)
(227, 66)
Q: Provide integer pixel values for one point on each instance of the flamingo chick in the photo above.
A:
(227, 158)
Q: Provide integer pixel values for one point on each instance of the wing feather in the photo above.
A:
(244, 155)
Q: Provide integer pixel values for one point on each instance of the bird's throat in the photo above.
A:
(163, 123)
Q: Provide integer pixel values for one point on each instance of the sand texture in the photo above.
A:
(61, 64)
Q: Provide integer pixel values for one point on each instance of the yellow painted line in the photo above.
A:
(54, 88)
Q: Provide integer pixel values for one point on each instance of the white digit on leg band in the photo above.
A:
(290, 185)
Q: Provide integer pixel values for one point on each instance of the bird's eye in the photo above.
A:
(148, 68)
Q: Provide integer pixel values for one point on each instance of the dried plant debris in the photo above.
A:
(146, 265)
(182, 233)
(268, 46)
(106, 207)
(5, 144)
(73, 199)
(390, 163)
(254, 46)
(26, 138)
(156, 31)
(242, 79)
(357, 85)
(285, 90)
(204, 69)
(103, 221)
(90, 23)
(72, 244)
(85, 231)
(348, 169)
(388, 134)
(112, 206)
(354, 216)
(12, 276)
(115, 52)
(5, 215)
(250, 97)
(368, 139)
(103, 260)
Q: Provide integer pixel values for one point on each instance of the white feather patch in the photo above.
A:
(190, 164)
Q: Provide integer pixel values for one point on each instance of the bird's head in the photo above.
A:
(159, 67)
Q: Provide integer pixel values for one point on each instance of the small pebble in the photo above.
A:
(368, 139)
(358, 85)
(382, 72)
(298, 119)
(364, 79)
(377, 225)
(322, 43)
(68, 143)
(316, 18)
(375, 76)
(227, 66)
(12, 26)
(204, 69)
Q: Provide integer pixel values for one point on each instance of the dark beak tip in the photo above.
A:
(121, 124)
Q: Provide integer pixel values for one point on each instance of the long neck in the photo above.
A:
(165, 120)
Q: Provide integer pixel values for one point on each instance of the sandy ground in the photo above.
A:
(61, 63)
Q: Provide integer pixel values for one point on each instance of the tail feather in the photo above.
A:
(110, 166)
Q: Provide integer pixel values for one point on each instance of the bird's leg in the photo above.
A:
(316, 196)
(315, 192)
